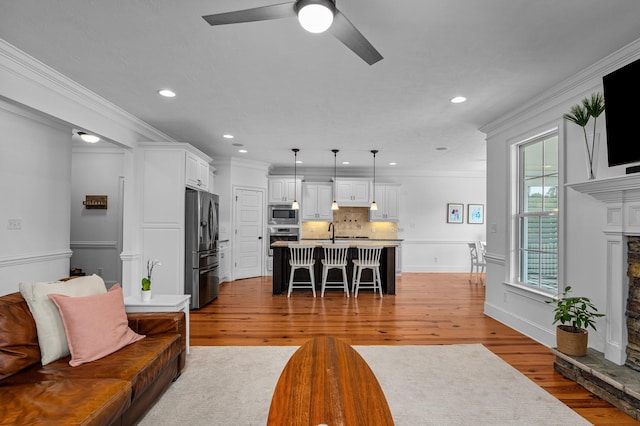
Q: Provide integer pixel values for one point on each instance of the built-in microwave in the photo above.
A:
(283, 215)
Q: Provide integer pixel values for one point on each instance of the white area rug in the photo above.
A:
(424, 385)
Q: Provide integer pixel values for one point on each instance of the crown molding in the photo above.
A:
(53, 89)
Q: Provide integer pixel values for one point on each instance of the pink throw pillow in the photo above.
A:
(96, 326)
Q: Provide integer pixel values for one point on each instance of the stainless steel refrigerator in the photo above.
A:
(202, 278)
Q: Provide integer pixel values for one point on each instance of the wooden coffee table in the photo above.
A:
(327, 382)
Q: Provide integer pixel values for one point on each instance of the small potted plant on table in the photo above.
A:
(577, 313)
(146, 281)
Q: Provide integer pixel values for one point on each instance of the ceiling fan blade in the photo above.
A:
(348, 34)
(264, 13)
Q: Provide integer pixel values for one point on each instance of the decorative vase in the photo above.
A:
(146, 296)
(571, 343)
(592, 151)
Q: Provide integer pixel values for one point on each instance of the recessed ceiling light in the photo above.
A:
(242, 151)
(441, 148)
(88, 137)
(458, 99)
(298, 161)
(167, 93)
(227, 136)
(393, 164)
(345, 162)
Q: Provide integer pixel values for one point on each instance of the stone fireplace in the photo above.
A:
(633, 303)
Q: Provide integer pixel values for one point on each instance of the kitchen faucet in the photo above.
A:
(332, 228)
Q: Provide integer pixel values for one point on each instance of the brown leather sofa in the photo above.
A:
(115, 390)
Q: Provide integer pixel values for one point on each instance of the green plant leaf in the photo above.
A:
(579, 115)
(146, 284)
(594, 105)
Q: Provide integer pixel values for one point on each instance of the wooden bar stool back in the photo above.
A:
(302, 258)
(368, 258)
(335, 257)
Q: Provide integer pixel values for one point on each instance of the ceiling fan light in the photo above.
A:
(315, 18)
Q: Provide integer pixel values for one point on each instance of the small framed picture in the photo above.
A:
(455, 212)
(475, 213)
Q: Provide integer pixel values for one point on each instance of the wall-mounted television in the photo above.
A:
(621, 91)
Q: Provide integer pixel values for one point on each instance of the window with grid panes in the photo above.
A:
(538, 213)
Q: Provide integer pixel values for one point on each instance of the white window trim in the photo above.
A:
(515, 143)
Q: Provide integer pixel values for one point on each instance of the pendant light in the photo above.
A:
(374, 206)
(334, 205)
(295, 205)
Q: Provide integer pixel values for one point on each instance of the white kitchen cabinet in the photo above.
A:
(196, 172)
(284, 189)
(224, 262)
(162, 169)
(387, 197)
(353, 192)
(316, 201)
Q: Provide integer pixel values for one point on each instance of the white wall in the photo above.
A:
(430, 243)
(35, 177)
(582, 218)
(96, 235)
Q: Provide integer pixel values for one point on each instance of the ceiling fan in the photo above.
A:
(315, 16)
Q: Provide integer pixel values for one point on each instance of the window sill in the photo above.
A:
(525, 290)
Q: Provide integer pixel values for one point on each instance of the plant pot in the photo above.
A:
(571, 343)
(146, 295)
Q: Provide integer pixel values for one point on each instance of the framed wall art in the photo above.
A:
(475, 213)
(455, 212)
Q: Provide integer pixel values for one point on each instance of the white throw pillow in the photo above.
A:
(51, 335)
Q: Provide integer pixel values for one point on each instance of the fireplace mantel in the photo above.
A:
(621, 197)
(610, 190)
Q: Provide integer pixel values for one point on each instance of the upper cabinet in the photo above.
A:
(387, 197)
(353, 192)
(316, 201)
(196, 172)
(284, 189)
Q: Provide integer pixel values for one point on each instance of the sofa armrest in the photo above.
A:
(150, 323)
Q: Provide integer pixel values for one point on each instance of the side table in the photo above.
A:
(161, 303)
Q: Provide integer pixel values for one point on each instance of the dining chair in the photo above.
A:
(476, 253)
(301, 257)
(335, 257)
(368, 258)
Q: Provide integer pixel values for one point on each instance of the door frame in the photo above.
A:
(234, 212)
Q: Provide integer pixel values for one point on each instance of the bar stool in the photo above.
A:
(302, 258)
(335, 257)
(368, 258)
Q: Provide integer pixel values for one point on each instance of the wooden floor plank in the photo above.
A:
(428, 309)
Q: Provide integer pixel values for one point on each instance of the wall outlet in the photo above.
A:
(435, 259)
(14, 224)
(373, 230)
(101, 272)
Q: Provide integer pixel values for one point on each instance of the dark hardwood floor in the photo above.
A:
(428, 309)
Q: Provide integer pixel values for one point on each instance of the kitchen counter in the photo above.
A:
(282, 269)
(350, 239)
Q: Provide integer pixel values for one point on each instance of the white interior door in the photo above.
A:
(248, 236)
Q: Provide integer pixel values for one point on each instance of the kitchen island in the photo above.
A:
(281, 268)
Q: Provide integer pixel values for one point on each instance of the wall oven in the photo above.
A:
(282, 233)
(283, 215)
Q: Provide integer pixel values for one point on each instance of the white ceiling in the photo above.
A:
(276, 87)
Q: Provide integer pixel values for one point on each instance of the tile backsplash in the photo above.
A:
(351, 222)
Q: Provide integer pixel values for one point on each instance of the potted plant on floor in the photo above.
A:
(577, 313)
